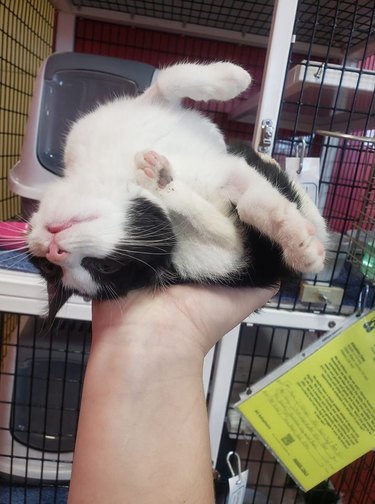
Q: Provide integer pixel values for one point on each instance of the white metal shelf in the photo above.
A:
(25, 293)
(346, 91)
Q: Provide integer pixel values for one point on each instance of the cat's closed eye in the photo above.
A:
(104, 266)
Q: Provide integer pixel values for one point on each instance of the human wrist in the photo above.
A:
(147, 352)
(148, 331)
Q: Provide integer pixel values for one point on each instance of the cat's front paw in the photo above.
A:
(154, 171)
(302, 249)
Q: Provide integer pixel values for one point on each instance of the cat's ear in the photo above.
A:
(58, 295)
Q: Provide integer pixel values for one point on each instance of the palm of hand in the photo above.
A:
(198, 316)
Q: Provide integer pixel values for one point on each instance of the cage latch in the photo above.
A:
(266, 135)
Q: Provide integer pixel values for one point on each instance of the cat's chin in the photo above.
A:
(79, 280)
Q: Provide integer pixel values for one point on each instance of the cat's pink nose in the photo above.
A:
(55, 254)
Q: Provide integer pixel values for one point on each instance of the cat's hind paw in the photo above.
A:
(154, 171)
(302, 249)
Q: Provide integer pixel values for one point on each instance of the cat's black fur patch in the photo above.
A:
(49, 271)
(271, 171)
(142, 260)
(57, 293)
(265, 265)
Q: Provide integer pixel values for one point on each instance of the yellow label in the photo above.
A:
(319, 416)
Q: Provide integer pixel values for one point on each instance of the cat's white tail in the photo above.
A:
(214, 81)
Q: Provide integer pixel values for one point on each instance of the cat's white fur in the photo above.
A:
(104, 161)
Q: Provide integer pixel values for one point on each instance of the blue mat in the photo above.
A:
(33, 495)
(16, 261)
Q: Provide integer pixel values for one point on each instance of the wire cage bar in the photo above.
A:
(26, 38)
(362, 252)
(261, 349)
(40, 389)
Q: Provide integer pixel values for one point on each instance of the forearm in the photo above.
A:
(143, 434)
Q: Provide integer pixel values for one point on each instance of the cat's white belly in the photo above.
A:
(105, 143)
(196, 260)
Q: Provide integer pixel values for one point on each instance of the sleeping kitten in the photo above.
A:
(152, 196)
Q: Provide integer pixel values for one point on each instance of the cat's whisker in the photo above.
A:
(146, 243)
(109, 289)
(138, 239)
(112, 292)
(126, 242)
(12, 241)
(164, 281)
(13, 234)
(129, 241)
(9, 226)
(143, 252)
(14, 223)
(139, 260)
(141, 248)
(156, 230)
(153, 234)
(20, 258)
(158, 233)
(10, 246)
(146, 239)
(19, 218)
(17, 260)
(150, 239)
(13, 251)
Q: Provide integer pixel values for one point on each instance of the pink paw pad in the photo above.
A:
(149, 164)
(155, 166)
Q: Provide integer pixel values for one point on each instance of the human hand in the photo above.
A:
(192, 315)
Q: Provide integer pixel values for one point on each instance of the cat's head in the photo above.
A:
(84, 241)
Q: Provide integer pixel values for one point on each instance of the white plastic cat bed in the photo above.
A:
(68, 84)
(332, 86)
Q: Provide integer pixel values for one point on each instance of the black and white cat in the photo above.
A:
(152, 196)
